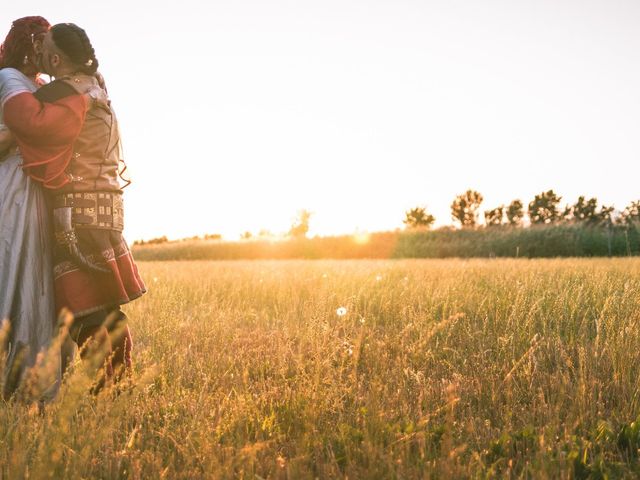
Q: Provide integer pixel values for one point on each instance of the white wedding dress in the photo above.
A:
(26, 274)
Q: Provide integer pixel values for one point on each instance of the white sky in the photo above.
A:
(236, 114)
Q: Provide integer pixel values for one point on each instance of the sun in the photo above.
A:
(361, 238)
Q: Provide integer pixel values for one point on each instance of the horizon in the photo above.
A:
(358, 111)
(565, 212)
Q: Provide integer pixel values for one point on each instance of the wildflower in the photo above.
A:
(341, 312)
(348, 348)
(362, 320)
(378, 278)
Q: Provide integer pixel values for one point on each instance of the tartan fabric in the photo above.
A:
(84, 292)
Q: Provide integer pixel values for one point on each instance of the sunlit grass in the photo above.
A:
(365, 369)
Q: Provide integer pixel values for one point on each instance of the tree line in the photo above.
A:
(543, 209)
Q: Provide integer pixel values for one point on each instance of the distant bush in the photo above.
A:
(557, 240)
(551, 240)
(153, 241)
(376, 245)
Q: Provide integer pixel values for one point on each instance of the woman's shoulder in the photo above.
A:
(12, 82)
(12, 73)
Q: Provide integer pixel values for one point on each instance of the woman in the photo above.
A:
(26, 272)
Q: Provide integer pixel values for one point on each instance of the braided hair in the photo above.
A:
(75, 44)
(17, 49)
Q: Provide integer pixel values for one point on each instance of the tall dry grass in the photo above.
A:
(438, 368)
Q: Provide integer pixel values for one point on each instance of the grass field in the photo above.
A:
(358, 369)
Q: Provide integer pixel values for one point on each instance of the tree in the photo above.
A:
(631, 213)
(418, 217)
(544, 208)
(583, 210)
(605, 216)
(300, 226)
(515, 213)
(493, 218)
(567, 214)
(465, 207)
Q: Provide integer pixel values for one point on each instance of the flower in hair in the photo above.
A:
(88, 63)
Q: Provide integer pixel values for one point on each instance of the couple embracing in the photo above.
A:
(61, 211)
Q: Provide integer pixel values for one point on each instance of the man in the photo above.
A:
(73, 148)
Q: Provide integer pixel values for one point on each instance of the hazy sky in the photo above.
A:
(235, 114)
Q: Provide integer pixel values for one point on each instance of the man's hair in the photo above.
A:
(75, 44)
(19, 44)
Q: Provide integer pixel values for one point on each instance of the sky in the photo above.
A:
(237, 114)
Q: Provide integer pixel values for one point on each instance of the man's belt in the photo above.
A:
(101, 210)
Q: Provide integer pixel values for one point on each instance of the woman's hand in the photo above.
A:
(101, 82)
(96, 97)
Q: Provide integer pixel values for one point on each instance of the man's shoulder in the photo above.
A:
(54, 91)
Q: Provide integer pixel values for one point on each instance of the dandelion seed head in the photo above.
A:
(341, 312)
(348, 347)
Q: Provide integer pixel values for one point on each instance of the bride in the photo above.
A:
(26, 273)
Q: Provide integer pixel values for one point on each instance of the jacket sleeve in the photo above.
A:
(45, 124)
(46, 133)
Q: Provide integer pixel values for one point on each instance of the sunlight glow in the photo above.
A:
(361, 238)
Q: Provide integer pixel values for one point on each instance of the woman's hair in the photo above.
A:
(17, 49)
(75, 44)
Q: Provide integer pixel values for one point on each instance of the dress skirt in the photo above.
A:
(26, 273)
